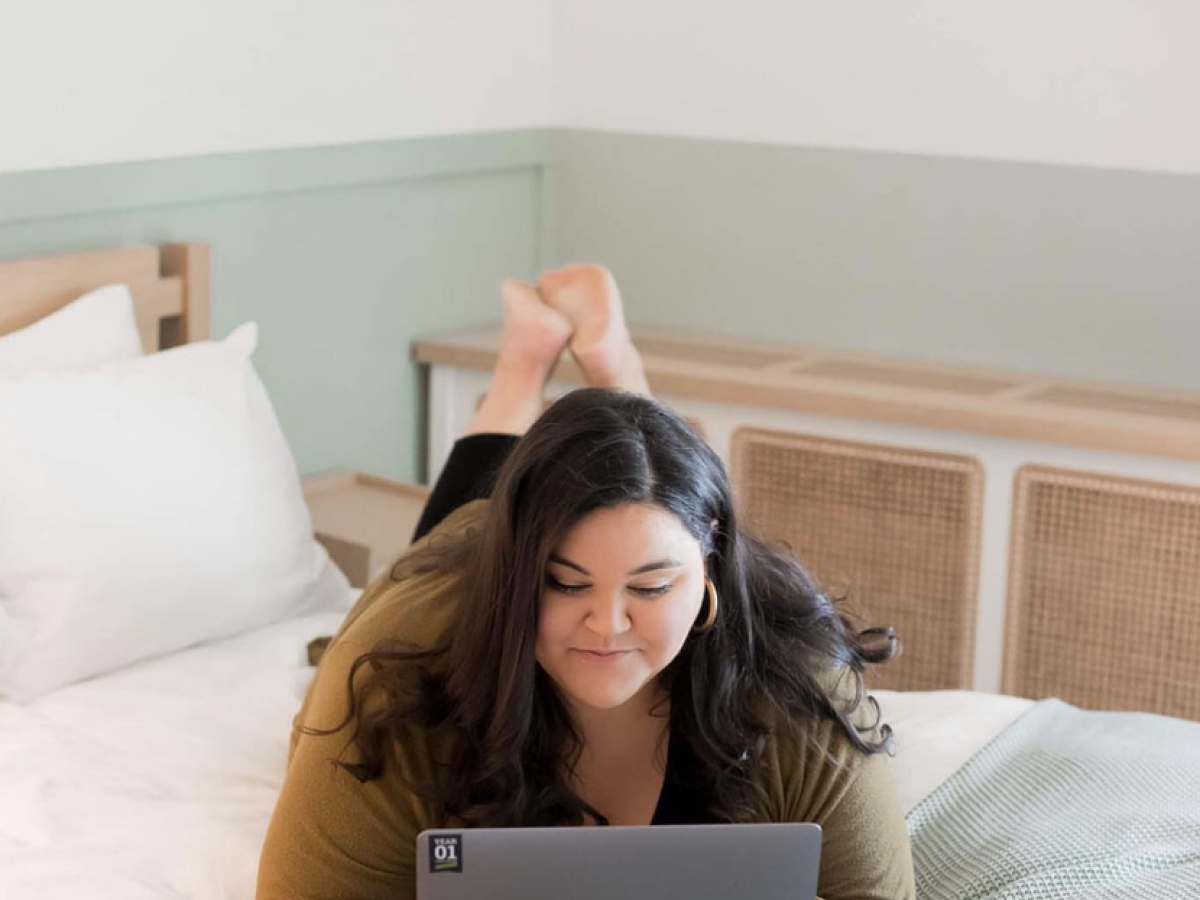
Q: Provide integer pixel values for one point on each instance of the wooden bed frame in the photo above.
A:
(170, 286)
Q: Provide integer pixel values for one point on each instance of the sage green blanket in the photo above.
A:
(1067, 803)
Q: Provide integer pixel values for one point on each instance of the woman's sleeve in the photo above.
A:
(332, 836)
(469, 473)
(865, 851)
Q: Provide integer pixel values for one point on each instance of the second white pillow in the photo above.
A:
(145, 506)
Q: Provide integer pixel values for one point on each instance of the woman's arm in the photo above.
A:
(331, 836)
(865, 851)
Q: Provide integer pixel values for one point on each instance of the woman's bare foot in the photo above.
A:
(534, 333)
(587, 296)
(532, 340)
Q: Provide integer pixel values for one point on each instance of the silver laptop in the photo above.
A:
(659, 862)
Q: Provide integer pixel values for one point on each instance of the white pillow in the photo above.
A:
(99, 327)
(147, 505)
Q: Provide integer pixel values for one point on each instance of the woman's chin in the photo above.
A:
(600, 699)
(600, 696)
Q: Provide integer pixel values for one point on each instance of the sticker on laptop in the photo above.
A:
(445, 853)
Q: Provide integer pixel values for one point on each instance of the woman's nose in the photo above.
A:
(609, 615)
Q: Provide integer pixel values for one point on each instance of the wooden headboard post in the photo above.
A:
(192, 264)
(171, 288)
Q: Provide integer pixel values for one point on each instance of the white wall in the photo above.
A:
(1083, 82)
(89, 82)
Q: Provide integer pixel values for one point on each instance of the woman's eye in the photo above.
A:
(657, 591)
(555, 585)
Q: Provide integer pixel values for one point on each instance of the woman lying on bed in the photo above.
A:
(601, 642)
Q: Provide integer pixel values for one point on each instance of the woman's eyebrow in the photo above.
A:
(648, 567)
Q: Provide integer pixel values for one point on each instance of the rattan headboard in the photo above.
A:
(170, 287)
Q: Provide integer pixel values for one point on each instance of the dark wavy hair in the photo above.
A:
(761, 673)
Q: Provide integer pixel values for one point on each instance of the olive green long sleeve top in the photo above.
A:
(334, 837)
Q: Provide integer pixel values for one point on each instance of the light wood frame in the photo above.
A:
(170, 284)
(909, 393)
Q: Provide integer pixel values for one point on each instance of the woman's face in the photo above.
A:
(620, 596)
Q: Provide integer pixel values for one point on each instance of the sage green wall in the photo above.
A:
(345, 254)
(1065, 270)
(342, 255)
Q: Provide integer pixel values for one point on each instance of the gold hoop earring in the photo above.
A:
(711, 590)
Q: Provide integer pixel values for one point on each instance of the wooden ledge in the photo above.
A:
(824, 382)
(364, 521)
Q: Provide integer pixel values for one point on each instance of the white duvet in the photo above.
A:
(158, 781)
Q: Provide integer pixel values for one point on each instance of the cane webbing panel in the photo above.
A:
(896, 530)
(1104, 593)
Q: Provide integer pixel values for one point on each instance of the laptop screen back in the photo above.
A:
(661, 862)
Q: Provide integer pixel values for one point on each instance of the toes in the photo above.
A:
(590, 274)
(515, 289)
(529, 320)
(550, 282)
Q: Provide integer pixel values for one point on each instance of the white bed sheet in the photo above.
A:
(158, 781)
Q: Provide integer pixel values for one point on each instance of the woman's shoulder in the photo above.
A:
(821, 747)
(809, 766)
(414, 611)
(829, 779)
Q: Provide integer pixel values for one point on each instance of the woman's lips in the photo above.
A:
(602, 655)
